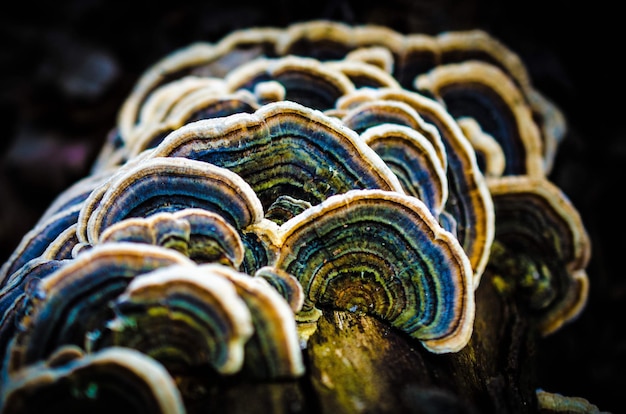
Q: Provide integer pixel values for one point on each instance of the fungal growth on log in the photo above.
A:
(317, 218)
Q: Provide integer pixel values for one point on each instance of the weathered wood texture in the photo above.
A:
(358, 364)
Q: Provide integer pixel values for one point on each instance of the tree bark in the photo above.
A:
(358, 364)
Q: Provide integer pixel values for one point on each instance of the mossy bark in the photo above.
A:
(359, 364)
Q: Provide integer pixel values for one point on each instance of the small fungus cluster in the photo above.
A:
(254, 184)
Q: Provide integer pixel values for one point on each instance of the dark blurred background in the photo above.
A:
(66, 66)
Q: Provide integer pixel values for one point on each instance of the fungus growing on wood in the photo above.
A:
(70, 304)
(542, 245)
(361, 111)
(191, 318)
(413, 159)
(200, 234)
(284, 148)
(286, 284)
(37, 240)
(273, 351)
(168, 184)
(485, 93)
(469, 202)
(182, 316)
(201, 104)
(113, 379)
(382, 253)
(305, 216)
(306, 81)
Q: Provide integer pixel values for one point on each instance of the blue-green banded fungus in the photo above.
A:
(162, 101)
(64, 246)
(71, 303)
(478, 45)
(413, 159)
(469, 202)
(193, 106)
(382, 253)
(273, 351)
(14, 297)
(113, 380)
(169, 184)
(540, 241)
(284, 208)
(306, 81)
(485, 93)
(284, 148)
(209, 60)
(75, 194)
(36, 241)
(201, 235)
(286, 284)
(362, 111)
(404, 57)
(185, 317)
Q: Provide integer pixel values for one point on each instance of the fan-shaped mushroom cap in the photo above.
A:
(75, 194)
(307, 81)
(469, 202)
(362, 74)
(541, 241)
(459, 46)
(274, 350)
(378, 56)
(286, 284)
(113, 379)
(183, 316)
(168, 184)
(64, 246)
(362, 111)
(383, 253)
(347, 179)
(485, 93)
(284, 148)
(14, 296)
(191, 107)
(413, 159)
(197, 58)
(36, 241)
(488, 152)
(162, 101)
(403, 56)
(201, 235)
(71, 303)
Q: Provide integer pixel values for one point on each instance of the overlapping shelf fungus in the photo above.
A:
(317, 218)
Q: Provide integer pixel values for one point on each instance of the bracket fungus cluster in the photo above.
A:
(324, 217)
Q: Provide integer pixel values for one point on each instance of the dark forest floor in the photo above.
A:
(66, 66)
